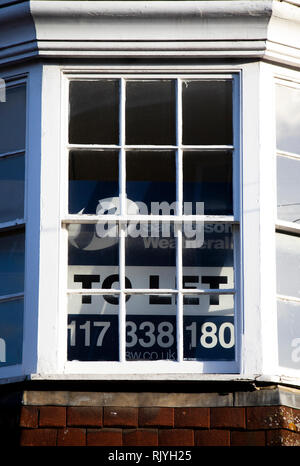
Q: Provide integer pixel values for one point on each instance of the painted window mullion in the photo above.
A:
(179, 211)
(123, 211)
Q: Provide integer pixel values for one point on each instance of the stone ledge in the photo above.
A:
(277, 396)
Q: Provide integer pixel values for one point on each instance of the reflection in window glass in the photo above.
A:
(94, 245)
(93, 178)
(150, 179)
(288, 119)
(12, 249)
(12, 241)
(94, 112)
(11, 332)
(207, 177)
(12, 175)
(207, 112)
(208, 255)
(151, 328)
(288, 264)
(13, 120)
(288, 194)
(288, 315)
(150, 112)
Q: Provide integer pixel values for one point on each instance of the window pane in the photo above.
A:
(203, 305)
(12, 175)
(209, 329)
(94, 112)
(13, 120)
(151, 328)
(288, 194)
(151, 258)
(93, 264)
(207, 257)
(94, 177)
(207, 177)
(11, 332)
(288, 264)
(93, 245)
(150, 112)
(93, 329)
(12, 250)
(288, 119)
(288, 314)
(207, 112)
(151, 179)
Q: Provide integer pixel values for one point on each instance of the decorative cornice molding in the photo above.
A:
(202, 29)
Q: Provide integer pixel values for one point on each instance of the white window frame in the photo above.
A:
(291, 80)
(162, 367)
(256, 326)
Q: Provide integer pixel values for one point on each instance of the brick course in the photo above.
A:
(52, 416)
(104, 437)
(29, 417)
(191, 417)
(120, 417)
(156, 417)
(248, 439)
(281, 437)
(212, 438)
(233, 418)
(71, 437)
(269, 417)
(176, 437)
(140, 437)
(85, 416)
(159, 426)
(38, 437)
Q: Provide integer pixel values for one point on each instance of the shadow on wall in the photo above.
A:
(10, 408)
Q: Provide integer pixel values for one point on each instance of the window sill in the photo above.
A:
(172, 377)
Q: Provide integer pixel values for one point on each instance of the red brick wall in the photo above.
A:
(159, 426)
